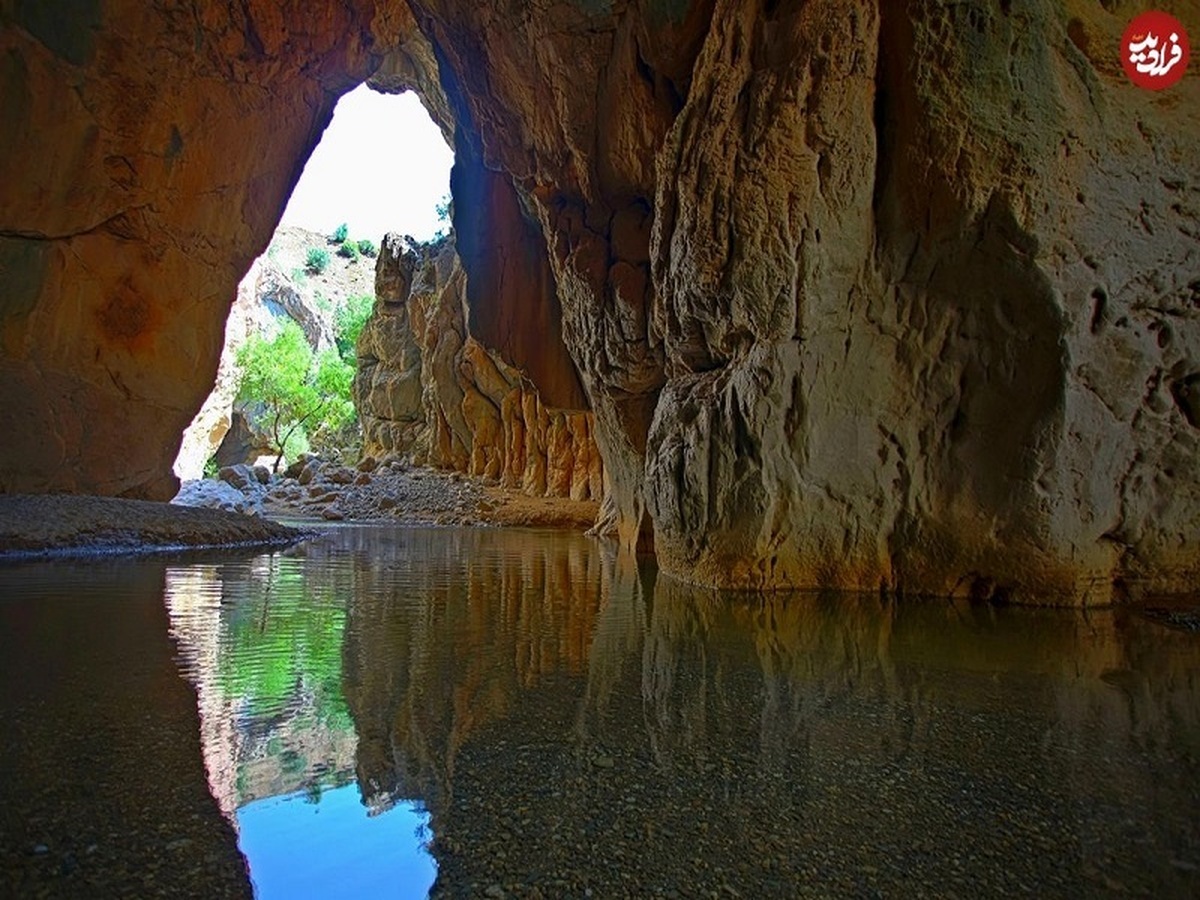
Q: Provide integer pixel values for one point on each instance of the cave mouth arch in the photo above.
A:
(381, 166)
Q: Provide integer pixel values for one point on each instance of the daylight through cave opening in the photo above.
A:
(284, 382)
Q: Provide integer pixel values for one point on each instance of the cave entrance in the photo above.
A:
(381, 166)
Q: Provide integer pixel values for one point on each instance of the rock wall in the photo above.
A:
(864, 294)
(868, 295)
(147, 155)
(426, 388)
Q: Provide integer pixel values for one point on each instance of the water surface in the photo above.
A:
(528, 714)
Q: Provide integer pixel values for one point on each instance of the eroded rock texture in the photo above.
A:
(859, 293)
(146, 158)
(428, 389)
(864, 294)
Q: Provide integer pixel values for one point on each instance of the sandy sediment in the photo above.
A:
(67, 524)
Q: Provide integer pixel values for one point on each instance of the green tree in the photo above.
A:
(348, 324)
(349, 249)
(340, 234)
(333, 378)
(279, 375)
(317, 260)
(368, 248)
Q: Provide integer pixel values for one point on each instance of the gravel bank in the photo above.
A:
(382, 492)
(71, 525)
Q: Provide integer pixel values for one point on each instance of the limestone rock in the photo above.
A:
(858, 294)
(244, 441)
(426, 388)
(387, 383)
(211, 494)
(864, 294)
(146, 159)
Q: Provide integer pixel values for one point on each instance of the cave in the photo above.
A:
(823, 273)
(871, 331)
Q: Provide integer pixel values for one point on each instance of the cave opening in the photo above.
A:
(381, 166)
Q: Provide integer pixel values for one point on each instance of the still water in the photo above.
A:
(381, 712)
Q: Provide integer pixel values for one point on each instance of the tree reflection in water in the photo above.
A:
(572, 720)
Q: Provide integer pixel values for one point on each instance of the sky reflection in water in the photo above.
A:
(572, 720)
(310, 845)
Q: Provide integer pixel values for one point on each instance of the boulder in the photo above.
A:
(218, 495)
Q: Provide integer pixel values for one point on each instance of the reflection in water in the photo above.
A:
(102, 790)
(571, 721)
(305, 846)
(560, 718)
(261, 641)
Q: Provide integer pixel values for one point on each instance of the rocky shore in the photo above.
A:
(394, 491)
(70, 525)
(239, 509)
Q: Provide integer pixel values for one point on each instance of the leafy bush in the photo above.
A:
(333, 376)
(340, 234)
(302, 399)
(349, 250)
(317, 260)
(348, 324)
(368, 248)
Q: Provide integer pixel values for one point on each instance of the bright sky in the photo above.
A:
(381, 166)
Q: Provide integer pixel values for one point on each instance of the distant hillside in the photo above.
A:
(278, 286)
(341, 279)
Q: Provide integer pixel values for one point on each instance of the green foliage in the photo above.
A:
(444, 208)
(282, 643)
(299, 275)
(340, 234)
(210, 467)
(445, 213)
(368, 248)
(348, 324)
(304, 400)
(278, 374)
(349, 249)
(333, 377)
(317, 260)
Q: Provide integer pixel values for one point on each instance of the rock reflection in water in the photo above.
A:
(447, 630)
(573, 721)
(103, 792)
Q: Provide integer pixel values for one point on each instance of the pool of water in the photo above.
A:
(389, 712)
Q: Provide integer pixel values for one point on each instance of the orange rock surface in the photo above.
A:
(861, 294)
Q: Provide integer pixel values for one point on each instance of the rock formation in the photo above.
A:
(426, 388)
(148, 153)
(276, 288)
(865, 294)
